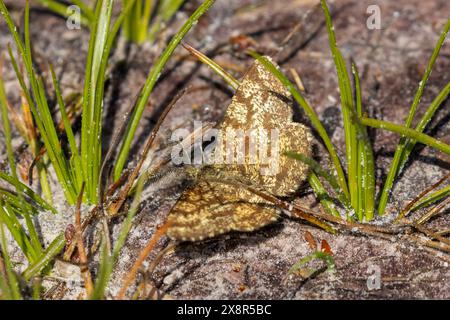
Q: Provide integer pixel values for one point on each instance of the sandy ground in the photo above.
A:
(249, 266)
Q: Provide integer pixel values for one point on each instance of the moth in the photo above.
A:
(210, 207)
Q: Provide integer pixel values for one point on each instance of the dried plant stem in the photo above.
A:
(297, 79)
(436, 209)
(443, 232)
(142, 256)
(114, 209)
(410, 205)
(432, 234)
(84, 267)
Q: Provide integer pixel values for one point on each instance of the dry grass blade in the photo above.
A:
(214, 66)
(410, 205)
(84, 266)
(142, 256)
(112, 147)
(36, 159)
(115, 207)
(440, 246)
(431, 213)
(151, 268)
(297, 79)
(443, 232)
(432, 234)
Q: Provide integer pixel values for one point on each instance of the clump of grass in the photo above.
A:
(359, 154)
(79, 172)
(139, 26)
(356, 191)
(143, 23)
(87, 16)
(299, 267)
(85, 161)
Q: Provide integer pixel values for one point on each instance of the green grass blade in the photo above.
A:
(61, 9)
(27, 191)
(67, 127)
(88, 99)
(150, 83)
(99, 62)
(10, 285)
(39, 110)
(8, 216)
(437, 102)
(34, 238)
(18, 202)
(408, 132)
(366, 167)
(395, 165)
(431, 198)
(104, 273)
(327, 258)
(47, 256)
(362, 188)
(93, 98)
(322, 194)
(126, 27)
(42, 170)
(7, 129)
(102, 73)
(59, 161)
(347, 109)
(137, 14)
(145, 20)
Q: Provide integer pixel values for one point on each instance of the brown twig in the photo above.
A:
(443, 232)
(153, 294)
(71, 248)
(112, 147)
(115, 207)
(431, 244)
(140, 260)
(36, 159)
(432, 234)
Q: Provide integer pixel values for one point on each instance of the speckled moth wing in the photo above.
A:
(262, 103)
(207, 209)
